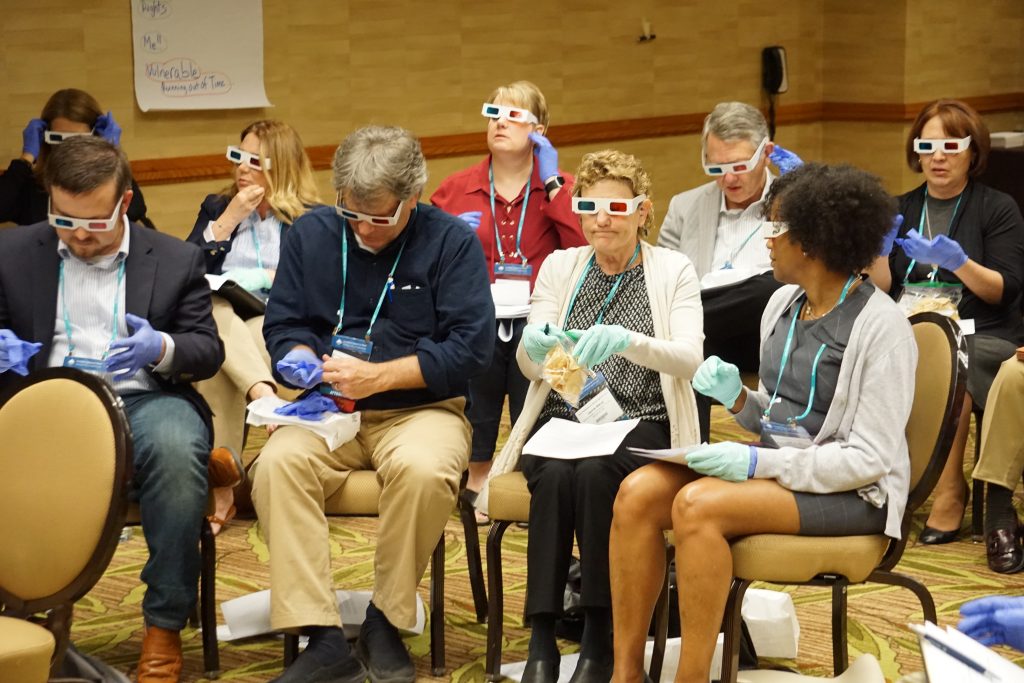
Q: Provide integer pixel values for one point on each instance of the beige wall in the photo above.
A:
(331, 66)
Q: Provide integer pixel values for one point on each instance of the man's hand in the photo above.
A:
(144, 347)
(15, 353)
(353, 377)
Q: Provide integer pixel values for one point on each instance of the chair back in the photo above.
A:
(66, 463)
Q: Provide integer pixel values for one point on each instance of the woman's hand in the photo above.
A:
(719, 380)
(940, 250)
(242, 204)
(539, 338)
(727, 460)
(32, 139)
(547, 156)
(599, 343)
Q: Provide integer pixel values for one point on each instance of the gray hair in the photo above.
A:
(734, 121)
(376, 160)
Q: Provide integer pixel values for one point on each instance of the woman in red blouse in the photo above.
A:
(519, 204)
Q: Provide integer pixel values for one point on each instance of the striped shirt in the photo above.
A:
(737, 239)
(266, 232)
(90, 289)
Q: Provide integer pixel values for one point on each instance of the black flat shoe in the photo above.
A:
(1004, 550)
(592, 671)
(930, 536)
(540, 671)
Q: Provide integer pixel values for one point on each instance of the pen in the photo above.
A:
(960, 657)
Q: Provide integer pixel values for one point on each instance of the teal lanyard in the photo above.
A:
(817, 357)
(732, 257)
(920, 225)
(522, 215)
(611, 294)
(389, 284)
(67, 316)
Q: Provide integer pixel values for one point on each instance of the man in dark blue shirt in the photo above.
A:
(383, 304)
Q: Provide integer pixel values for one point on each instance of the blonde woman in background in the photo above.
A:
(239, 231)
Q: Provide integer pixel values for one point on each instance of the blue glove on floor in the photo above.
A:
(32, 137)
(251, 279)
(547, 156)
(309, 408)
(539, 338)
(940, 250)
(598, 343)
(890, 237)
(727, 460)
(301, 368)
(994, 620)
(107, 128)
(719, 380)
(15, 353)
(785, 160)
(142, 348)
(472, 218)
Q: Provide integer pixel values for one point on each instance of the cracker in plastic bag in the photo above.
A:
(564, 374)
(941, 297)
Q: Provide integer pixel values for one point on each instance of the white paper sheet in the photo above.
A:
(954, 657)
(676, 455)
(334, 428)
(568, 440)
(215, 281)
(185, 60)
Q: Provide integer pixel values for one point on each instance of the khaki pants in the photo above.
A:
(1002, 432)
(246, 362)
(419, 455)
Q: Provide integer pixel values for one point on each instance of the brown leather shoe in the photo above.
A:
(224, 469)
(160, 661)
(1005, 552)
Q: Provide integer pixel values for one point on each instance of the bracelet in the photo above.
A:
(553, 183)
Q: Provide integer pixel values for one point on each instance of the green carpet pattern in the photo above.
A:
(108, 621)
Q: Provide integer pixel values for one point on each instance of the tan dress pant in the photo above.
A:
(419, 455)
(1002, 431)
(246, 362)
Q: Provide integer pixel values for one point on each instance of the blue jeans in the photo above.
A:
(171, 449)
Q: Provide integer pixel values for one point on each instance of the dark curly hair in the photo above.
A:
(836, 213)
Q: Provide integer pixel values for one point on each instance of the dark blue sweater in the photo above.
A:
(440, 309)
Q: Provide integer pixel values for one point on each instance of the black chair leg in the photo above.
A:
(732, 629)
(977, 487)
(208, 600)
(918, 589)
(661, 609)
(291, 648)
(58, 622)
(495, 598)
(437, 663)
(476, 567)
(840, 651)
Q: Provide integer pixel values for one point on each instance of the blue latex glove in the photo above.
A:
(890, 237)
(785, 160)
(252, 279)
(940, 250)
(547, 156)
(301, 368)
(107, 128)
(599, 343)
(719, 380)
(995, 620)
(472, 218)
(309, 408)
(539, 338)
(142, 348)
(32, 137)
(727, 460)
(15, 353)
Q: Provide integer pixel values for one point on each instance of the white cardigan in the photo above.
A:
(675, 351)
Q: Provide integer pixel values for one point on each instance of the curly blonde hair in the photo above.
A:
(610, 164)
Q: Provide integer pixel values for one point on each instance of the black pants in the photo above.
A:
(487, 393)
(577, 496)
(732, 330)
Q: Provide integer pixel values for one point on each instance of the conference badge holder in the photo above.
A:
(597, 405)
(346, 347)
(95, 366)
(784, 435)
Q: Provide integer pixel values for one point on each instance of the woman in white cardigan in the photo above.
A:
(635, 310)
(837, 381)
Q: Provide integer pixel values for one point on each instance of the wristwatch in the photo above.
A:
(553, 183)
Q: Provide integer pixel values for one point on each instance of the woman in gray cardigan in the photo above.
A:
(837, 380)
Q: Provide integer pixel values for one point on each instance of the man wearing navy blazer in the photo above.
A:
(88, 289)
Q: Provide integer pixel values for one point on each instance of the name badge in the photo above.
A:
(511, 293)
(781, 435)
(94, 365)
(513, 270)
(597, 404)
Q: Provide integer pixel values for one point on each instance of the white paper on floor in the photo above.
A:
(249, 615)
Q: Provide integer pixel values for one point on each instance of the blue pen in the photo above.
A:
(960, 657)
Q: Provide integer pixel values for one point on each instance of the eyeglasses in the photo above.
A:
(52, 137)
(735, 167)
(89, 224)
(947, 145)
(773, 229)
(381, 221)
(254, 161)
(615, 207)
(500, 111)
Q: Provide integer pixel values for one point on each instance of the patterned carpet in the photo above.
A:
(108, 621)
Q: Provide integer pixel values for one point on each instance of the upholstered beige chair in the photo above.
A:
(360, 497)
(65, 456)
(837, 562)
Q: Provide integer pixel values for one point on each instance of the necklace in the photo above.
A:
(808, 309)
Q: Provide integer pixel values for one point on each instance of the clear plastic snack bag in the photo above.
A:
(564, 373)
(941, 297)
